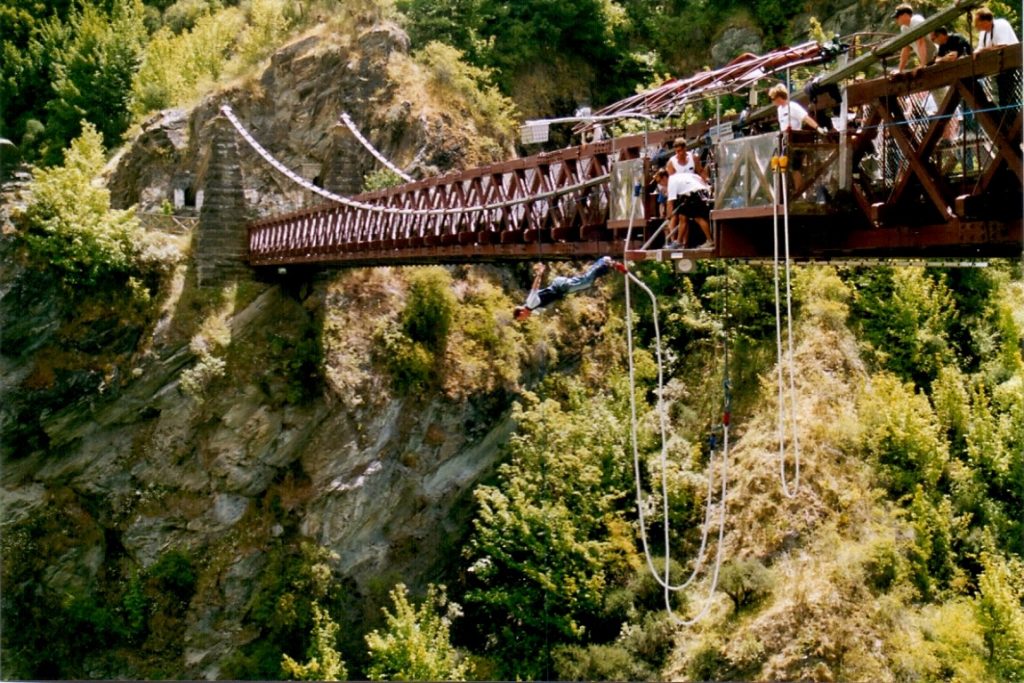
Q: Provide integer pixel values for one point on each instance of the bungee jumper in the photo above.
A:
(562, 286)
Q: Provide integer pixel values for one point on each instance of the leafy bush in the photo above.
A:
(429, 310)
(1000, 612)
(883, 566)
(174, 573)
(416, 644)
(932, 557)
(410, 364)
(707, 663)
(294, 582)
(746, 582)
(468, 89)
(899, 432)
(325, 663)
(381, 179)
(70, 226)
(906, 315)
(550, 538)
(598, 663)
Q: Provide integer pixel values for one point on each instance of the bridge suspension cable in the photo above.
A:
(378, 208)
(347, 120)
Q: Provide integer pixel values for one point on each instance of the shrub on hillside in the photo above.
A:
(416, 643)
(429, 310)
(900, 434)
(746, 582)
(70, 225)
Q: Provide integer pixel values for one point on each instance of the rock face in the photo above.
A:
(118, 472)
(294, 110)
(133, 476)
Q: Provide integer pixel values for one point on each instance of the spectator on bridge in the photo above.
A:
(682, 162)
(996, 33)
(792, 116)
(950, 45)
(690, 198)
(907, 20)
(562, 286)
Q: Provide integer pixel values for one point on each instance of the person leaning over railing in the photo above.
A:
(997, 33)
(792, 117)
(951, 45)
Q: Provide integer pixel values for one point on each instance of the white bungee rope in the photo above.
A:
(379, 208)
(779, 165)
(665, 582)
(347, 120)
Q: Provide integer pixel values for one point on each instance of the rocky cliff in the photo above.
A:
(220, 429)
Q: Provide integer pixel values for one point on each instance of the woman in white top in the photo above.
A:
(683, 162)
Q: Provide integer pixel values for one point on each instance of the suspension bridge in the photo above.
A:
(922, 164)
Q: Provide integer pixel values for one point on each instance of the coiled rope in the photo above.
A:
(378, 208)
(779, 164)
(665, 581)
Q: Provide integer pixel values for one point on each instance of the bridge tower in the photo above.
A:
(221, 248)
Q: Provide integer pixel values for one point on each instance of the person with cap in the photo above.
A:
(907, 19)
(560, 287)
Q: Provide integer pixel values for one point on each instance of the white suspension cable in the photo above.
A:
(780, 170)
(378, 208)
(347, 120)
(665, 582)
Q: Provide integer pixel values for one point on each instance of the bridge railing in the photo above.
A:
(556, 196)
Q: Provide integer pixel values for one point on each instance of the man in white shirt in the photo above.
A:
(792, 116)
(905, 17)
(996, 33)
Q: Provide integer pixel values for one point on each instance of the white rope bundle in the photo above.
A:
(347, 120)
(666, 582)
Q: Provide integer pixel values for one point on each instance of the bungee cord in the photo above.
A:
(665, 581)
(779, 164)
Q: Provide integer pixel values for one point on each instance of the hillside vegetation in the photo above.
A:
(379, 474)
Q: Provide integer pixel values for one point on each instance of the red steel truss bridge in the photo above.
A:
(929, 166)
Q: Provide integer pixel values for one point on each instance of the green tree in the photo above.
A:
(906, 315)
(416, 643)
(93, 75)
(71, 226)
(324, 663)
(551, 537)
(1001, 615)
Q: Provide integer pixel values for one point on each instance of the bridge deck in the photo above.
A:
(922, 179)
